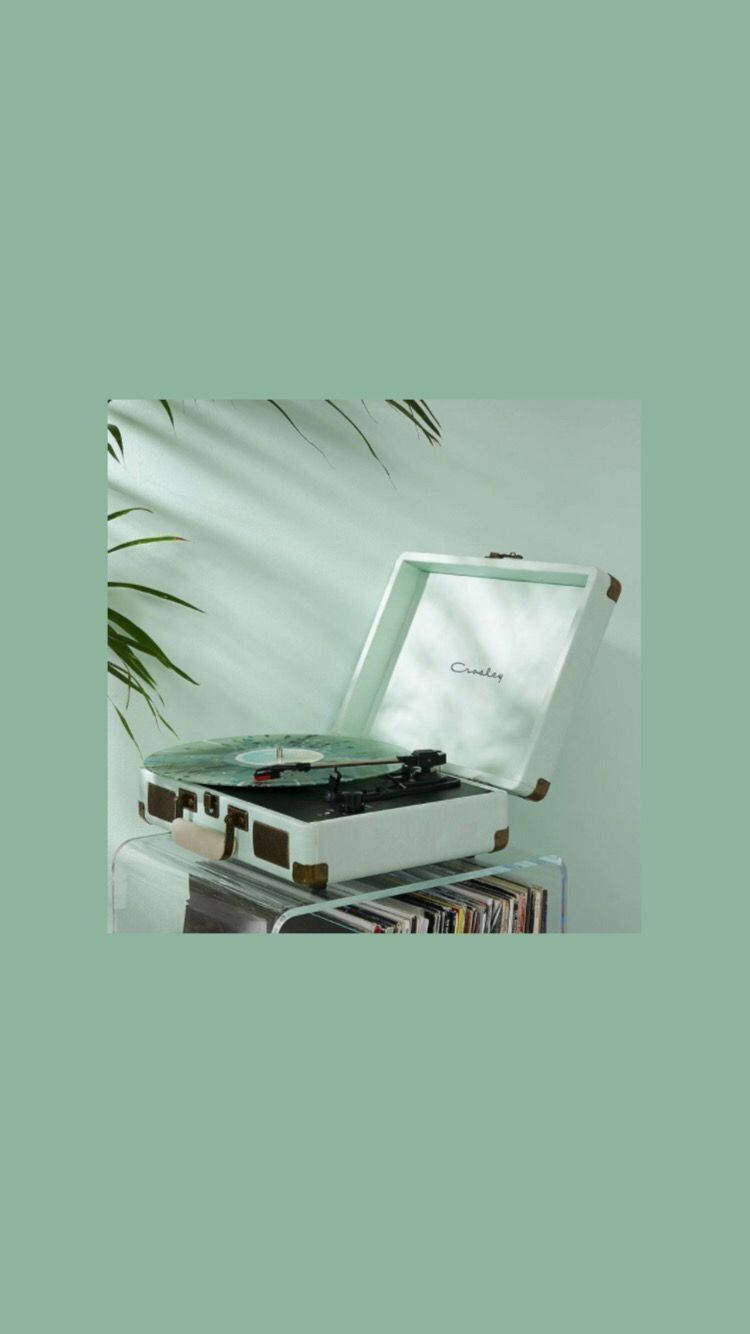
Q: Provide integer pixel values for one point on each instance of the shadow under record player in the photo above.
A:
(462, 694)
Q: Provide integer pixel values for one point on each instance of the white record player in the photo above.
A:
(462, 694)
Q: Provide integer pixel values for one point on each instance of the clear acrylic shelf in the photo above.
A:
(159, 887)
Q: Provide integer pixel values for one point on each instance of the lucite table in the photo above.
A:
(159, 887)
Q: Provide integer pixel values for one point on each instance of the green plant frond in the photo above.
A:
(127, 641)
(120, 673)
(152, 709)
(293, 423)
(403, 406)
(117, 514)
(130, 682)
(429, 410)
(134, 674)
(145, 644)
(141, 541)
(153, 592)
(394, 403)
(127, 726)
(168, 726)
(427, 429)
(116, 434)
(125, 651)
(361, 433)
(417, 411)
(138, 637)
(127, 680)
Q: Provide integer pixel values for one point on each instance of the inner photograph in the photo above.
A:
(373, 666)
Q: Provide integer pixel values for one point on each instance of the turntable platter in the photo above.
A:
(233, 761)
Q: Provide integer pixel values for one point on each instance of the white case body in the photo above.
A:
(480, 657)
(350, 846)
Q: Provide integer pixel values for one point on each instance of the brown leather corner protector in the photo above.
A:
(310, 877)
(270, 844)
(615, 588)
(162, 802)
(501, 839)
(540, 791)
(142, 811)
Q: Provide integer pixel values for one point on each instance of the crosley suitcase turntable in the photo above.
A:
(462, 694)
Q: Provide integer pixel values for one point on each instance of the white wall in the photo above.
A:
(289, 552)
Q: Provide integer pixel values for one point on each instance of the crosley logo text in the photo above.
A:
(476, 671)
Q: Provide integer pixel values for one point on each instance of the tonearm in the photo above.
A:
(417, 765)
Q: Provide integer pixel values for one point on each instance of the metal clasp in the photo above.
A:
(234, 819)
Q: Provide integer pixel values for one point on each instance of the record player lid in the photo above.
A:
(482, 657)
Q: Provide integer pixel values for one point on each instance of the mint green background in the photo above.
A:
(537, 201)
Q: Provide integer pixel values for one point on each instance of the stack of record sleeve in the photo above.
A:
(488, 904)
(231, 900)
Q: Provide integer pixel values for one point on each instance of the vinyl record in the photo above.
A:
(232, 761)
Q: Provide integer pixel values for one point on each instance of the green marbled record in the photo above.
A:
(216, 763)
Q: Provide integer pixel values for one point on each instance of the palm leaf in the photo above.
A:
(293, 423)
(115, 669)
(153, 592)
(168, 726)
(122, 674)
(417, 411)
(127, 727)
(427, 429)
(140, 541)
(394, 403)
(116, 433)
(403, 406)
(346, 417)
(145, 644)
(124, 650)
(127, 640)
(428, 410)
(116, 514)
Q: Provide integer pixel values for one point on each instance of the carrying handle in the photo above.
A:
(211, 844)
(503, 555)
